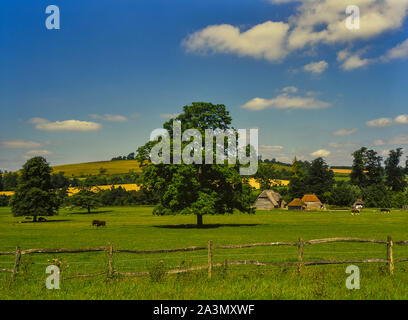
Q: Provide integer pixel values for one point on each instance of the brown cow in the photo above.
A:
(98, 223)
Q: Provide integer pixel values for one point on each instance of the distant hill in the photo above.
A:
(93, 168)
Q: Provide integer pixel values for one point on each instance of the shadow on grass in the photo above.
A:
(92, 212)
(206, 226)
(40, 222)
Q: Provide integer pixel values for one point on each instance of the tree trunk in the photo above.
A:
(199, 220)
(34, 218)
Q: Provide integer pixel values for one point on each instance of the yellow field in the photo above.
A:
(347, 171)
(93, 168)
(130, 187)
(6, 193)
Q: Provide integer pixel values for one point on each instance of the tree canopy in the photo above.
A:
(34, 195)
(195, 188)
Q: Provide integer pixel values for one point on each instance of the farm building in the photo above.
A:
(269, 200)
(296, 204)
(359, 204)
(312, 202)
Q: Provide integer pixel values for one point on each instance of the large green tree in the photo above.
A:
(395, 174)
(358, 176)
(34, 195)
(297, 185)
(198, 189)
(320, 178)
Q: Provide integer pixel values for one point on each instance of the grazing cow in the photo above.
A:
(355, 212)
(42, 219)
(98, 223)
(386, 210)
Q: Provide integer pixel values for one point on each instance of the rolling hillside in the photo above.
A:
(92, 168)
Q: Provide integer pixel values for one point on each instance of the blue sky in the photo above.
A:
(115, 70)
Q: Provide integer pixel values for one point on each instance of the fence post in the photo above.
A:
(390, 257)
(16, 262)
(300, 255)
(210, 256)
(110, 259)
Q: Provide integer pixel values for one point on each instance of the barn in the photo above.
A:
(312, 202)
(269, 200)
(296, 204)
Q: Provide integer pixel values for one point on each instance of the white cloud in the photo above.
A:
(398, 52)
(401, 119)
(345, 132)
(290, 89)
(315, 22)
(286, 101)
(320, 153)
(323, 21)
(380, 123)
(66, 125)
(19, 144)
(109, 117)
(397, 140)
(351, 61)
(169, 115)
(343, 144)
(379, 142)
(316, 67)
(38, 153)
(264, 40)
(264, 148)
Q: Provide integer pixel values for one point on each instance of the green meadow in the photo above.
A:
(136, 228)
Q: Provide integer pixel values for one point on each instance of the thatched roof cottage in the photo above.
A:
(269, 200)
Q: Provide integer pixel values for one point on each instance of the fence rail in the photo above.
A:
(300, 263)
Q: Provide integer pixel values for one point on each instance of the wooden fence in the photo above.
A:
(300, 263)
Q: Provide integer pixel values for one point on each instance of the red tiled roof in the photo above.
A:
(296, 203)
(310, 198)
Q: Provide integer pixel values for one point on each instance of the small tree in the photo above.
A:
(266, 173)
(34, 195)
(85, 199)
(395, 174)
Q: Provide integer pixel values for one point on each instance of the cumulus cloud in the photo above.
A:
(315, 22)
(316, 67)
(345, 132)
(343, 144)
(290, 89)
(169, 115)
(264, 148)
(323, 21)
(264, 40)
(398, 52)
(401, 140)
(401, 119)
(380, 123)
(66, 125)
(109, 117)
(286, 101)
(321, 153)
(19, 144)
(38, 153)
(386, 122)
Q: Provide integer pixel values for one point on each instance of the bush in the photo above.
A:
(4, 200)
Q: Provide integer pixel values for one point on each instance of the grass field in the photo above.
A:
(92, 168)
(137, 228)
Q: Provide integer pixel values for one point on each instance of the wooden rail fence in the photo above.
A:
(110, 250)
